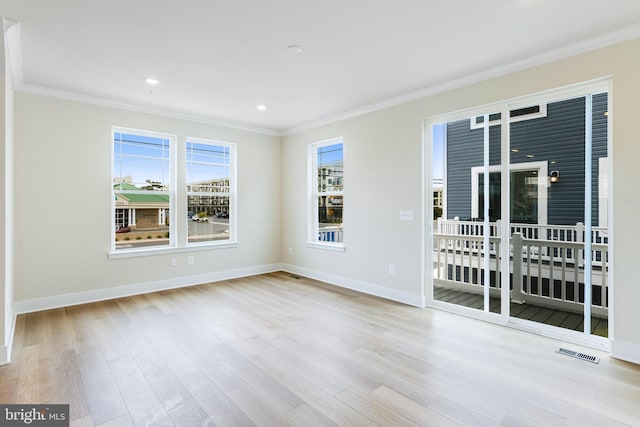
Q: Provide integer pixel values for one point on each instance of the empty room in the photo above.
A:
(339, 213)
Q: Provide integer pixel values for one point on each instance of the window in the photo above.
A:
(210, 183)
(516, 115)
(528, 196)
(142, 188)
(145, 192)
(327, 199)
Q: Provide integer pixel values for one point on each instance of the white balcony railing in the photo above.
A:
(562, 233)
(546, 262)
(558, 233)
(331, 233)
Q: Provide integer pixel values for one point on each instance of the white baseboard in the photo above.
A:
(66, 300)
(360, 286)
(627, 351)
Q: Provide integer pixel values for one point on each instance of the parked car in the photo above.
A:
(123, 229)
(199, 218)
(222, 214)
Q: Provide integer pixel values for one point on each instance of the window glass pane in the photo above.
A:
(208, 167)
(208, 218)
(524, 197)
(141, 183)
(140, 162)
(208, 191)
(494, 196)
(330, 218)
(330, 168)
(326, 177)
(466, 267)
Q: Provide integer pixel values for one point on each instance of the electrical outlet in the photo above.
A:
(406, 215)
(190, 260)
(290, 251)
(174, 262)
(392, 269)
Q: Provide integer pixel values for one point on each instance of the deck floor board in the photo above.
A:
(535, 313)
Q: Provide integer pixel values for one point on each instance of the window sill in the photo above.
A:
(335, 247)
(132, 253)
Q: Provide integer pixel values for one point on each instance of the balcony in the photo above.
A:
(546, 273)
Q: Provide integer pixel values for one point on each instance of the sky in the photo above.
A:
(330, 154)
(147, 158)
(438, 151)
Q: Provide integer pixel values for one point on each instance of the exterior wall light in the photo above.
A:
(554, 177)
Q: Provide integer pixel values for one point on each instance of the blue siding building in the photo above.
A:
(544, 139)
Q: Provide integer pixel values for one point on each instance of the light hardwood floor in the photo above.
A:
(275, 350)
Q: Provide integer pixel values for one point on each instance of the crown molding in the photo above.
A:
(599, 42)
(139, 108)
(13, 53)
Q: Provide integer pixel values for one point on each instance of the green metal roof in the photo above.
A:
(145, 198)
(125, 186)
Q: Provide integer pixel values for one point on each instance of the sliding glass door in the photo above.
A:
(465, 160)
(519, 212)
(563, 263)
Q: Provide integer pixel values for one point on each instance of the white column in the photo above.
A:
(487, 266)
(132, 216)
(9, 39)
(588, 190)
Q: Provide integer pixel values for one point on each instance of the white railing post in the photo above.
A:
(580, 238)
(517, 295)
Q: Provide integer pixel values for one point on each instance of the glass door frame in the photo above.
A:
(504, 107)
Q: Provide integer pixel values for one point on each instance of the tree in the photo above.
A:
(152, 185)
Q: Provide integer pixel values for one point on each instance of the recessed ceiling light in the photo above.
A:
(294, 49)
(515, 150)
(530, 156)
(261, 107)
(151, 81)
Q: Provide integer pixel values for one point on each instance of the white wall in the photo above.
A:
(383, 176)
(62, 205)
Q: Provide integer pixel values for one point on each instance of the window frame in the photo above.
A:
(313, 194)
(170, 192)
(543, 185)
(231, 194)
(542, 112)
(178, 232)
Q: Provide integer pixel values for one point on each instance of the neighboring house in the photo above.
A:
(139, 211)
(545, 139)
(210, 197)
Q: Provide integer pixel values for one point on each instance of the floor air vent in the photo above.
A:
(578, 355)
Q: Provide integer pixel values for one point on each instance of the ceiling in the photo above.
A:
(217, 60)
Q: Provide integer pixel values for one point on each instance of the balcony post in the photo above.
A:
(517, 295)
(580, 237)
